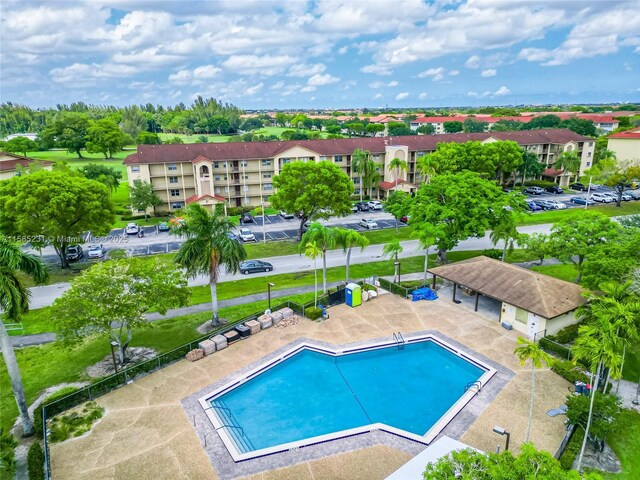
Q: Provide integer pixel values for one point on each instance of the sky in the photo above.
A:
(286, 54)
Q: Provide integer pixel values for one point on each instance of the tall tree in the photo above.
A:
(527, 350)
(348, 239)
(143, 197)
(359, 159)
(569, 162)
(453, 127)
(621, 181)
(313, 251)
(613, 260)
(208, 248)
(118, 293)
(506, 231)
(68, 130)
(530, 166)
(20, 145)
(312, 190)
(398, 164)
(597, 345)
(14, 301)
(325, 239)
(574, 238)
(398, 204)
(456, 206)
(392, 250)
(55, 208)
(104, 136)
(537, 244)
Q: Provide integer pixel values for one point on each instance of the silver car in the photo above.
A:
(368, 223)
(247, 235)
(96, 251)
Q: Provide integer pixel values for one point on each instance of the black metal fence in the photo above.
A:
(127, 375)
(398, 289)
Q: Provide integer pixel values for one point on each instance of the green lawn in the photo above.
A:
(624, 439)
(631, 369)
(565, 272)
(552, 216)
(51, 364)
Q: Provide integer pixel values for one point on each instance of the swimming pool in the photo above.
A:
(312, 394)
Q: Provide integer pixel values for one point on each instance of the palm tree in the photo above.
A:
(347, 239)
(14, 301)
(528, 350)
(398, 165)
(427, 166)
(597, 345)
(359, 159)
(312, 250)
(569, 162)
(207, 248)
(392, 250)
(426, 243)
(507, 232)
(325, 239)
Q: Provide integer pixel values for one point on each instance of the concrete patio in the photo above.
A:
(145, 432)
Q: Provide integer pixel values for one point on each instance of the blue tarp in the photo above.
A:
(423, 294)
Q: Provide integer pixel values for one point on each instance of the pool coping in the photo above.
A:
(452, 424)
(222, 428)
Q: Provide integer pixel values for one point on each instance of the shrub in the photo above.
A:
(231, 211)
(7, 460)
(568, 334)
(492, 253)
(368, 287)
(565, 369)
(37, 416)
(75, 422)
(539, 183)
(312, 313)
(571, 450)
(35, 462)
(549, 346)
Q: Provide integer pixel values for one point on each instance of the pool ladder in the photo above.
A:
(228, 422)
(399, 339)
(475, 386)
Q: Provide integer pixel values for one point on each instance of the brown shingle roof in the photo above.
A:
(8, 161)
(545, 296)
(338, 146)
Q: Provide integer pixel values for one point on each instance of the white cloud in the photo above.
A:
(309, 88)
(304, 70)
(181, 77)
(255, 89)
(206, 72)
(432, 72)
(402, 96)
(320, 79)
(454, 73)
(423, 96)
(472, 94)
(472, 62)
(258, 65)
(502, 91)
(378, 96)
(343, 50)
(379, 84)
(82, 74)
(376, 69)
(490, 72)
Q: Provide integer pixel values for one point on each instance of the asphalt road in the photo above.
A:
(45, 295)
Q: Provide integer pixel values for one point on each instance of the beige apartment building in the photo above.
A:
(9, 164)
(626, 146)
(241, 174)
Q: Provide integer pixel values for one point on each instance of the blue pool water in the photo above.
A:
(312, 394)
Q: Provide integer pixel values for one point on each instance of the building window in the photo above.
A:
(322, 159)
(356, 180)
(135, 168)
(266, 163)
(172, 166)
(175, 192)
(588, 164)
(419, 154)
(267, 186)
(266, 175)
(591, 144)
(246, 177)
(338, 158)
(217, 178)
(265, 198)
(376, 157)
(177, 205)
(356, 191)
(218, 190)
(244, 163)
(216, 164)
(173, 179)
(286, 160)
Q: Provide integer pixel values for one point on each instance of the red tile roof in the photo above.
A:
(386, 186)
(149, 154)
(195, 198)
(629, 134)
(552, 172)
(10, 165)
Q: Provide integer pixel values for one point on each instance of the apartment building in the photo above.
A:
(626, 146)
(241, 174)
(9, 164)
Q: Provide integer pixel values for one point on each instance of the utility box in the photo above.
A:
(353, 294)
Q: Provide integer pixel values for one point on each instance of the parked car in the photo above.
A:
(626, 197)
(233, 237)
(557, 205)
(368, 223)
(554, 189)
(246, 218)
(634, 195)
(131, 228)
(612, 196)
(96, 251)
(247, 235)
(363, 206)
(534, 190)
(286, 215)
(354, 208)
(163, 227)
(545, 204)
(581, 187)
(74, 253)
(534, 207)
(306, 226)
(405, 219)
(582, 201)
(601, 197)
(594, 186)
(253, 266)
(375, 205)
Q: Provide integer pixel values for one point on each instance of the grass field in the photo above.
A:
(566, 272)
(624, 439)
(552, 216)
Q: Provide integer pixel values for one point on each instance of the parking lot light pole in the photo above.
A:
(502, 431)
(586, 203)
(264, 230)
(269, 285)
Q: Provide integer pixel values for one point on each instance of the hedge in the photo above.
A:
(35, 462)
(568, 334)
(549, 346)
(565, 368)
(312, 313)
(540, 183)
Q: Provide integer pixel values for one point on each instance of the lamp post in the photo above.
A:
(397, 264)
(502, 431)
(269, 285)
(114, 344)
(264, 231)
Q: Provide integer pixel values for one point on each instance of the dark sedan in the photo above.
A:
(246, 218)
(253, 266)
(545, 204)
(362, 206)
(579, 186)
(554, 189)
(582, 201)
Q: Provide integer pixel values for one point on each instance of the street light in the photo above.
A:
(269, 285)
(114, 344)
(264, 230)
(502, 431)
(397, 264)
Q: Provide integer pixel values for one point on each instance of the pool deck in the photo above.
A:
(146, 432)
